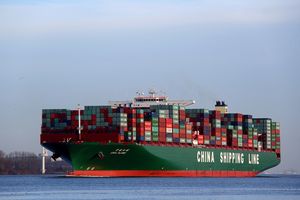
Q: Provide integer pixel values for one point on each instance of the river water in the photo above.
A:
(59, 187)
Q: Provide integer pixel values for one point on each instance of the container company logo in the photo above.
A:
(227, 157)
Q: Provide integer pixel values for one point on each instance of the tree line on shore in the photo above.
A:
(18, 163)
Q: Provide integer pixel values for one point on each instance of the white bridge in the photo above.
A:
(141, 101)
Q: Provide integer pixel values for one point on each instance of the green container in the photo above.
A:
(147, 133)
(162, 116)
(154, 120)
(206, 142)
(189, 141)
(154, 128)
(140, 111)
(154, 133)
(175, 130)
(175, 121)
(163, 112)
(154, 124)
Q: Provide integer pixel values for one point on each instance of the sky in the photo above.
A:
(56, 54)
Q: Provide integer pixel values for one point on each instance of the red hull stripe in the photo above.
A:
(160, 173)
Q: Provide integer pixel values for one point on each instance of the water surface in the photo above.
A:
(59, 187)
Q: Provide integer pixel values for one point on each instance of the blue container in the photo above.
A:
(176, 140)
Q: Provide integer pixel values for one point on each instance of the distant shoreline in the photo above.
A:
(27, 163)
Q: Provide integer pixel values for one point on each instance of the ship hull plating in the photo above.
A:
(134, 160)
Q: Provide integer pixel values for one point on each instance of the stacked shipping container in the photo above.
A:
(269, 133)
(275, 128)
(168, 124)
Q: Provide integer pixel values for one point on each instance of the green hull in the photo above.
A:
(144, 160)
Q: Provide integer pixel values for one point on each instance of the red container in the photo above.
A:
(162, 129)
(147, 123)
(206, 137)
(218, 134)
(216, 114)
(162, 120)
(238, 117)
(189, 136)
(122, 128)
(182, 131)
(162, 137)
(162, 134)
(216, 130)
(175, 125)
(169, 125)
(139, 115)
(148, 128)
(273, 143)
(169, 121)
(140, 129)
(205, 121)
(188, 126)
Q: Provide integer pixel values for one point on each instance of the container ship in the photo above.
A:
(154, 136)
